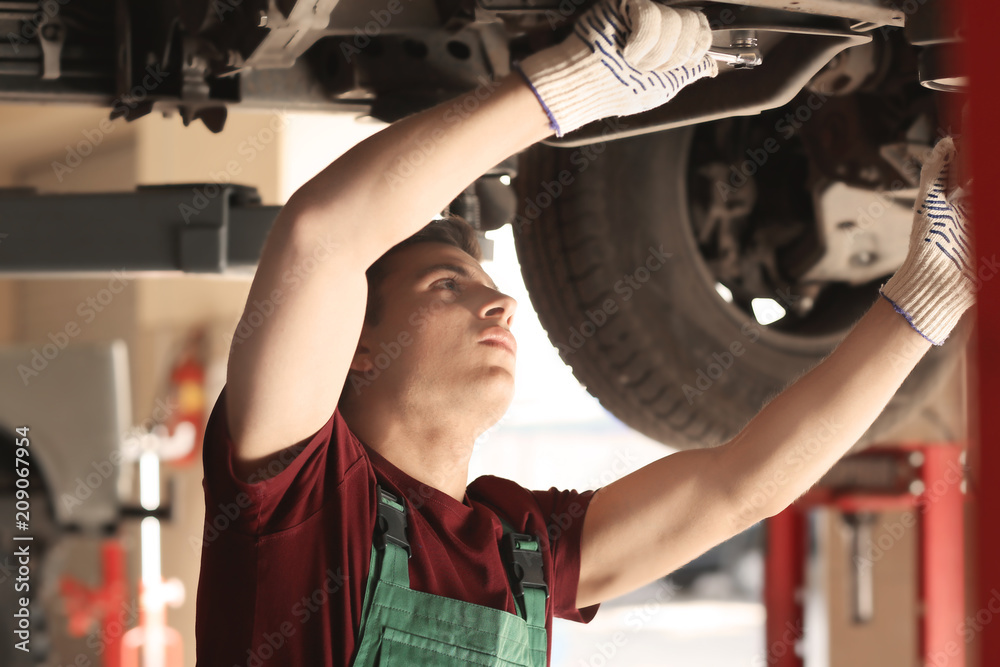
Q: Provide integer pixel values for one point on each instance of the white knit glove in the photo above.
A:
(623, 57)
(937, 280)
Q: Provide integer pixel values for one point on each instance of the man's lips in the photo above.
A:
(500, 336)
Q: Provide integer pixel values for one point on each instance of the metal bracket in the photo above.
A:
(51, 35)
(194, 227)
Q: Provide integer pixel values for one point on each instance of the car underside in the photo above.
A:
(780, 191)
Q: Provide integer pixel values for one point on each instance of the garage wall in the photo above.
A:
(7, 306)
(155, 316)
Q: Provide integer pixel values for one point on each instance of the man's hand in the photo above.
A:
(623, 57)
(936, 283)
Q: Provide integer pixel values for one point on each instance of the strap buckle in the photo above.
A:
(390, 523)
(524, 565)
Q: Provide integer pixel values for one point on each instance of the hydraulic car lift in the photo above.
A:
(927, 482)
(984, 452)
(954, 632)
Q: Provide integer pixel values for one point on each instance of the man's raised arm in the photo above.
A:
(285, 376)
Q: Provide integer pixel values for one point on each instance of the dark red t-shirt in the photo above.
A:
(284, 560)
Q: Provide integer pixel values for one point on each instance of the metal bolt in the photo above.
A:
(871, 174)
(742, 52)
(744, 39)
(863, 258)
(916, 487)
(51, 32)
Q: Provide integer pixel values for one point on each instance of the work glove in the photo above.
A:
(623, 57)
(937, 281)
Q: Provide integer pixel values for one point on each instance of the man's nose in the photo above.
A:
(500, 306)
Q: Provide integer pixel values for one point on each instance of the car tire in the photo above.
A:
(604, 239)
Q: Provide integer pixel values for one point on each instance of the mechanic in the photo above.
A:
(339, 449)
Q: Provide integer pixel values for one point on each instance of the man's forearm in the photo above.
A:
(800, 434)
(391, 184)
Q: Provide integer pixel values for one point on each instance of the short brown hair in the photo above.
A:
(452, 230)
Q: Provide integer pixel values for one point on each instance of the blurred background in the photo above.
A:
(146, 364)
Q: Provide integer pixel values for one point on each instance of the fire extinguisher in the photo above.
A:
(187, 394)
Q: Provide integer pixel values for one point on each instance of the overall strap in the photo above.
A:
(522, 557)
(390, 537)
(401, 627)
(521, 554)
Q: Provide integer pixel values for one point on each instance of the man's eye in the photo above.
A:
(448, 284)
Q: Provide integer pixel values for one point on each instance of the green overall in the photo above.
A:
(401, 627)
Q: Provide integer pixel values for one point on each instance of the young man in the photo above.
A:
(313, 563)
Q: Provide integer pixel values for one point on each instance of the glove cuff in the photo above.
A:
(553, 123)
(562, 79)
(931, 296)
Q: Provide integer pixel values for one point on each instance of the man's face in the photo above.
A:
(444, 333)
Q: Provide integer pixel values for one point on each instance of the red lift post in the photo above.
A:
(963, 634)
(105, 604)
(938, 514)
(984, 455)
